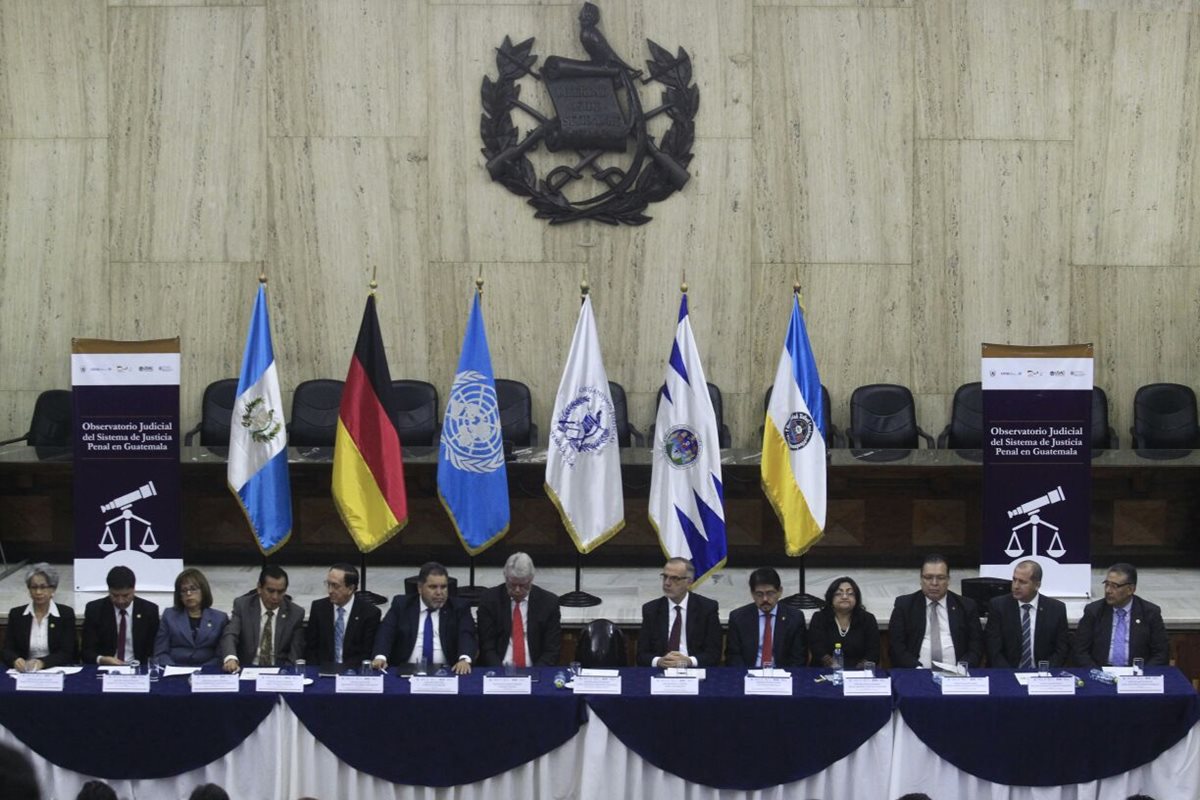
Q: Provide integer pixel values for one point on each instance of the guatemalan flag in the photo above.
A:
(687, 500)
(472, 480)
(793, 451)
(257, 472)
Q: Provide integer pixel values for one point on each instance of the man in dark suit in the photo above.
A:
(680, 629)
(103, 620)
(748, 645)
(1006, 625)
(958, 635)
(429, 627)
(515, 602)
(357, 619)
(1121, 627)
(266, 627)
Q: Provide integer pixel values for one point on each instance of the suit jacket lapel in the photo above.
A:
(254, 620)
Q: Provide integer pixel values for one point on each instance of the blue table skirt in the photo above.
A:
(458, 738)
(155, 735)
(729, 741)
(1004, 738)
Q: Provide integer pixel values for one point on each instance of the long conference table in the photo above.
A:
(722, 743)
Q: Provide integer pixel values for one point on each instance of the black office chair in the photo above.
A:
(965, 431)
(883, 416)
(52, 421)
(416, 413)
(516, 413)
(833, 436)
(626, 433)
(1164, 417)
(601, 644)
(216, 414)
(724, 437)
(1104, 437)
(315, 407)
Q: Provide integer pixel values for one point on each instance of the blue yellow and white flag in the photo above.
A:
(472, 480)
(257, 471)
(583, 462)
(687, 500)
(793, 450)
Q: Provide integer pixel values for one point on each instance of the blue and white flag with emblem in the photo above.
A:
(257, 471)
(472, 480)
(687, 500)
(583, 463)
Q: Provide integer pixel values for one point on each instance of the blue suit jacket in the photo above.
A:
(175, 643)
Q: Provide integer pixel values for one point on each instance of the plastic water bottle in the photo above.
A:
(560, 679)
(839, 665)
(1101, 676)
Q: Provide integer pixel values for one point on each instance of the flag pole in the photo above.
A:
(579, 598)
(802, 599)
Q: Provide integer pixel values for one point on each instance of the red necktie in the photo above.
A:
(768, 656)
(518, 637)
(121, 631)
(676, 631)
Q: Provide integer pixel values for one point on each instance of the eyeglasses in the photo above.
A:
(39, 587)
(673, 578)
(332, 585)
(935, 578)
(844, 593)
(189, 590)
(1114, 585)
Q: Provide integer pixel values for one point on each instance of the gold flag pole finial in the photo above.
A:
(584, 289)
(479, 285)
(262, 277)
(374, 283)
(683, 287)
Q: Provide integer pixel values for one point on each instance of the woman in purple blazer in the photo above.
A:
(189, 633)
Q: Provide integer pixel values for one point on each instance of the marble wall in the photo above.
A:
(935, 173)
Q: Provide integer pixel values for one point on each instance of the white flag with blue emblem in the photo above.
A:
(583, 462)
(687, 500)
(472, 480)
(257, 471)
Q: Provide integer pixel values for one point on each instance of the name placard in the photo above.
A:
(774, 685)
(966, 686)
(1140, 684)
(597, 684)
(867, 687)
(1051, 685)
(434, 684)
(202, 684)
(521, 684)
(358, 684)
(274, 682)
(39, 681)
(122, 682)
(685, 672)
(674, 685)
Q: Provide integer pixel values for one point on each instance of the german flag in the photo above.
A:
(368, 472)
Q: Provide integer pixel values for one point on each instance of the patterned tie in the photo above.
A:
(1026, 637)
(339, 634)
(122, 632)
(518, 637)
(676, 631)
(427, 638)
(1120, 642)
(266, 648)
(768, 649)
(935, 634)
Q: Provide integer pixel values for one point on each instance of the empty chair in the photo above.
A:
(884, 416)
(416, 412)
(315, 407)
(833, 437)
(516, 413)
(601, 644)
(1164, 417)
(965, 431)
(1103, 435)
(626, 433)
(51, 424)
(216, 414)
(724, 437)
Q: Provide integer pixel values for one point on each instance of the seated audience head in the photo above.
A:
(17, 780)
(677, 577)
(341, 583)
(121, 586)
(272, 586)
(96, 790)
(765, 589)
(1120, 584)
(915, 796)
(433, 584)
(1026, 581)
(843, 596)
(518, 575)
(208, 791)
(935, 577)
(192, 591)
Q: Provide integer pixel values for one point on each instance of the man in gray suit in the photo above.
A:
(266, 629)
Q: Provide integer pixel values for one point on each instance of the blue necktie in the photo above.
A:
(427, 638)
(1026, 638)
(339, 634)
(1120, 642)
